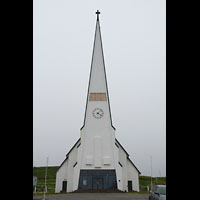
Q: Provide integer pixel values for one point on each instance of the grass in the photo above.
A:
(146, 180)
(51, 179)
(39, 172)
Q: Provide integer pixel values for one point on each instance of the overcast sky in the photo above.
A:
(134, 43)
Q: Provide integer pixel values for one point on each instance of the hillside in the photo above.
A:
(146, 181)
(40, 172)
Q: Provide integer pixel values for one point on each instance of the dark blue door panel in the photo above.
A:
(97, 179)
(97, 183)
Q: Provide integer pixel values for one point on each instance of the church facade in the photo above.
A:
(97, 161)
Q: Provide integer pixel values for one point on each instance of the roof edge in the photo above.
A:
(133, 164)
(68, 154)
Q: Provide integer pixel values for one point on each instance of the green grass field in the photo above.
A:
(51, 178)
(146, 181)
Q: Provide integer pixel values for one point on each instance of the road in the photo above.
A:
(95, 196)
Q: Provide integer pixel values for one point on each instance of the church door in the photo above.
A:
(97, 183)
(64, 186)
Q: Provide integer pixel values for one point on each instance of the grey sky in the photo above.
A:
(134, 43)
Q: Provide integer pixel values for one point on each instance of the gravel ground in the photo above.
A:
(94, 196)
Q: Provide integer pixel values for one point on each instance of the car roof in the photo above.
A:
(161, 185)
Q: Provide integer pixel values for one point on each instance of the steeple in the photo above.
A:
(97, 97)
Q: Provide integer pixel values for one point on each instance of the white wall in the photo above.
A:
(68, 172)
(133, 176)
(70, 168)
(123, 161)
(128, 172)
(97, 148)
(61, 175)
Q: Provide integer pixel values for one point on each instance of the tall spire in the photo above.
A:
(97, 96)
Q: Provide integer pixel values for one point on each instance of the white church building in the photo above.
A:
(97, 161)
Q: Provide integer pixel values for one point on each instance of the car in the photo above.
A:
(158, 193)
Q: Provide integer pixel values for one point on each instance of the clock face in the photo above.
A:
(97, 113)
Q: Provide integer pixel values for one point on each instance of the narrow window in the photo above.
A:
(75, 164)
(116, 145)
(78, 145)
(120, 164)
(85, 181)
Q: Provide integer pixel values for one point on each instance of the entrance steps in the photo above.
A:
(98, 191)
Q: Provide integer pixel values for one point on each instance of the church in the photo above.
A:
(97, 161)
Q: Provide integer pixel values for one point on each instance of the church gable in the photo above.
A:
(77, 144)
(117, 143)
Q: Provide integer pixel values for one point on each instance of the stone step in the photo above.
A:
(98, 191)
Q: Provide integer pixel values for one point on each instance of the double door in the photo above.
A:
(97, 179)
(97, 183)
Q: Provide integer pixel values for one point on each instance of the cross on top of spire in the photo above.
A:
(97, 14)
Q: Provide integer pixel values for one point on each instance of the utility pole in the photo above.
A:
(151, 173)
(45, 181)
